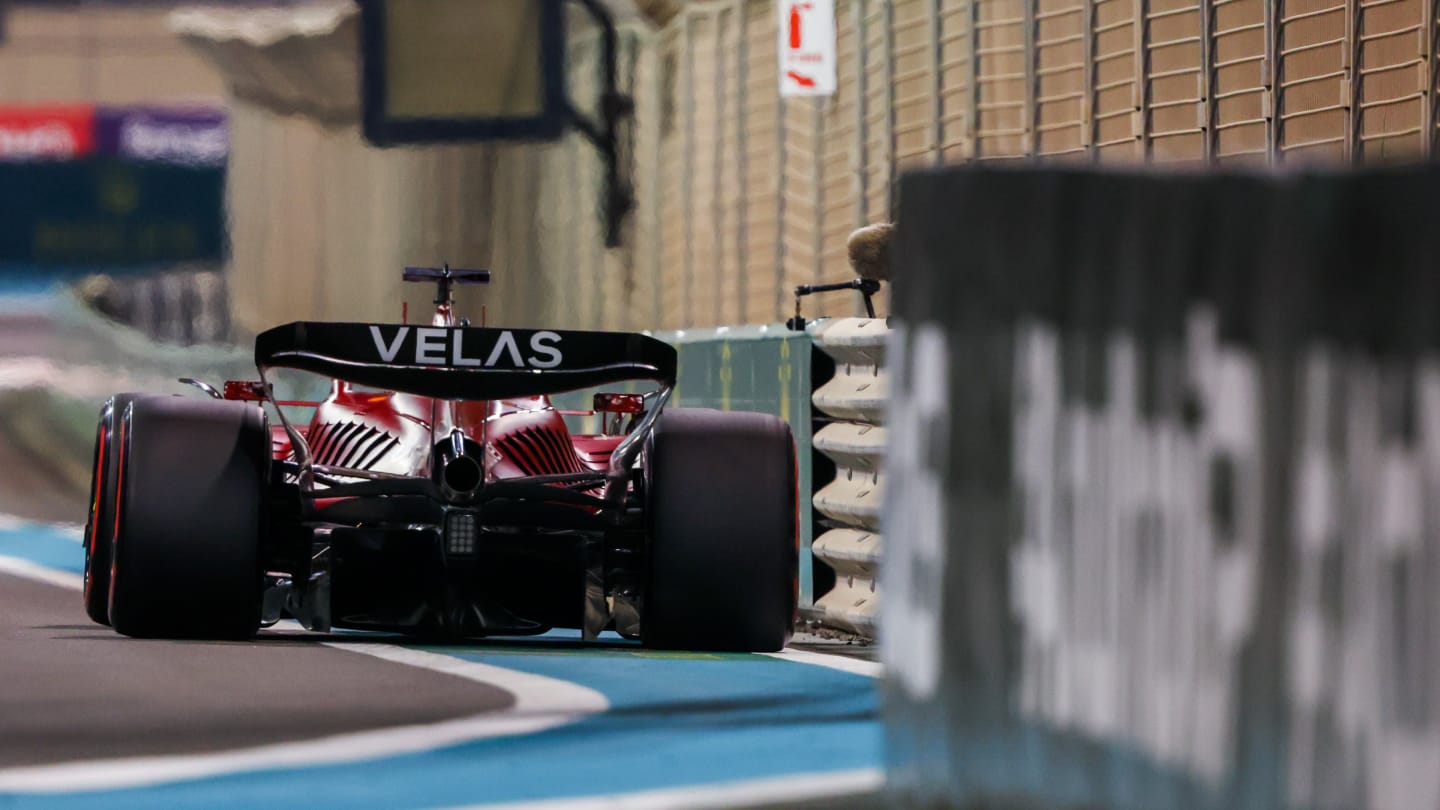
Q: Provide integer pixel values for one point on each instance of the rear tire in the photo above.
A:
(721, 513)
(192, 491)
(100, 525)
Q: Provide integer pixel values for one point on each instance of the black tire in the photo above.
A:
(192, 490)
(100, 523)
(721, 514)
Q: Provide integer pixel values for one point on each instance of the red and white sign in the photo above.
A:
(46, 133)
(807, 47)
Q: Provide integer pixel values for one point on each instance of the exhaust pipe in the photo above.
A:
(461, 474)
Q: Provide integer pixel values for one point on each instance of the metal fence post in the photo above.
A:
(1087, 103)
(1270, 73)
(715, 261)
(1206, 113)
(1140, 92)
(858, 158)
(887, 89)
(937, 103)
(687, 171)
(972, 114)
(1430, 12)
(1030, 118)
(742, 160)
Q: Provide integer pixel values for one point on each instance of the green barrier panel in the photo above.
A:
(108, 213)
(755, 368)
(742, 368)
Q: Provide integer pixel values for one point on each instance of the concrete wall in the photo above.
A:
(1159, 516)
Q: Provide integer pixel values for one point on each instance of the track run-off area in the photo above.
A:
(90, 719)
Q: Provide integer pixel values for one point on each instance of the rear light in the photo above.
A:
(460, 534)
(251, 391)
(619, 403)
(244, 390)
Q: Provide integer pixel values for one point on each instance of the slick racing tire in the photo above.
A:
(100, 524)
(191, 485)
(721, 515)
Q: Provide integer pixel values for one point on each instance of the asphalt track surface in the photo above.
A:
(91, 719)
(75, 690)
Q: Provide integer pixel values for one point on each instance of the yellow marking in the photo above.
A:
(727, 376)
(785, 375)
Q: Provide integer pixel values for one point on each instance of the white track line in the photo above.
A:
(540, 703)
(69, 531)
(805, 787)
(39, 573)
(854, 666)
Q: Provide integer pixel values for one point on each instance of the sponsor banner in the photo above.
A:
(47, 133)
(106, 213)
(191, 136)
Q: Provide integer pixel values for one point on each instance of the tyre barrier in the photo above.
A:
(177, 308)
(852, 436)
(1161, 483)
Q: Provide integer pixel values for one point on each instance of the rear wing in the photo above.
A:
(466, 362)
(446, 273)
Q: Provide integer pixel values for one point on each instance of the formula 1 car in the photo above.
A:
(437, 491)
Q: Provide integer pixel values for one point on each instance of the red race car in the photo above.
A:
(436, 490)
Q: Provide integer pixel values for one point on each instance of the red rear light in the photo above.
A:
(619, 403)
(244, 390)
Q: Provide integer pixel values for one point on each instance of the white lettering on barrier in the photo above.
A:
(1136, 573)
(912, 577)
(1135, 595)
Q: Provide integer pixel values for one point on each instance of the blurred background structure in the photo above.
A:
(199, 170)
(98, 53)
(112, 160)
(741, 194)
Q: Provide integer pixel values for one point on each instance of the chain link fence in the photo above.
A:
(742, 195)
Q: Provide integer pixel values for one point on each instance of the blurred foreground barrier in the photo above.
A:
(1161, 505)
(855, 441)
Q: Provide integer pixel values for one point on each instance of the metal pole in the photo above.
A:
(937, 104)
(972, 114)
(1270, 76)
(1032, 96)
(716, 259)
(1140, 125)
(605, 134)
(1207, 80)
(858, 161)
(742, 162)
(1087, 104)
